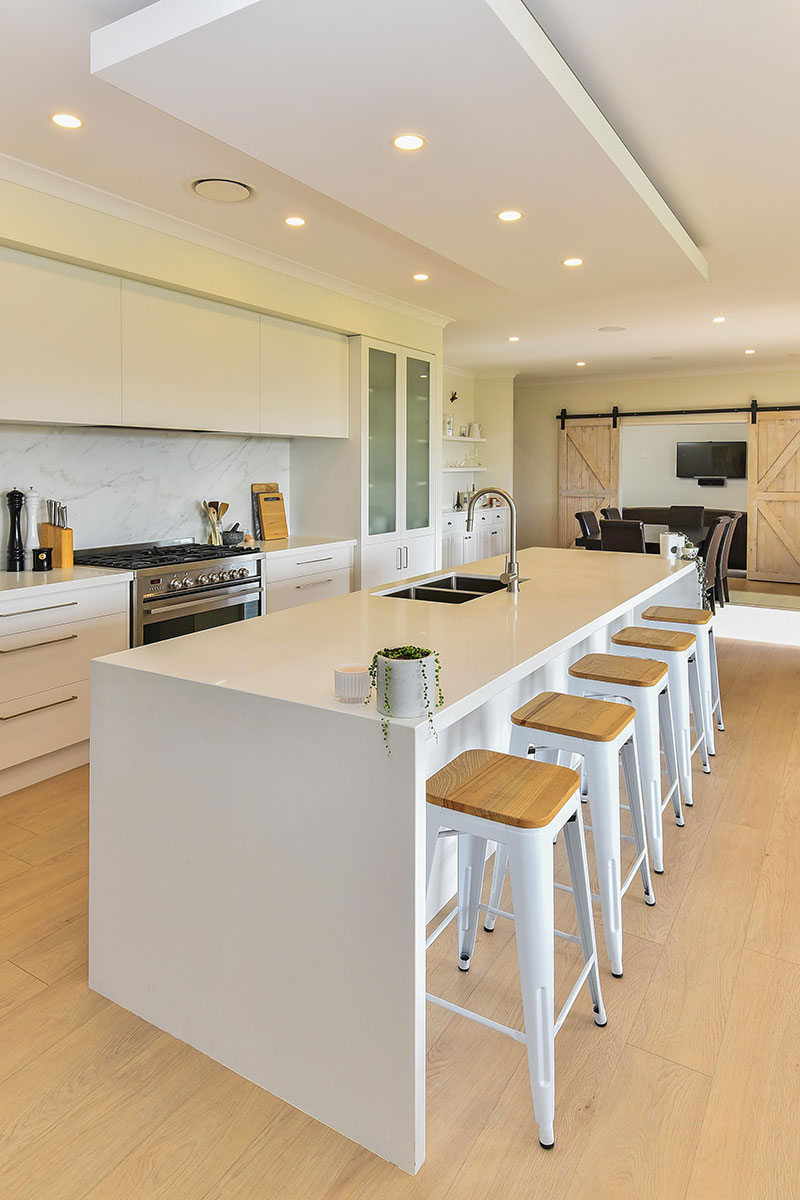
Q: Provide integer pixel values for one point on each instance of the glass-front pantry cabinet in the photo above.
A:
(398, 387)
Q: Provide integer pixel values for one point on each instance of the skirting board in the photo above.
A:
(45, 767)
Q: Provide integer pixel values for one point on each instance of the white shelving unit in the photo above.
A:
(462, 470)
(445, 439)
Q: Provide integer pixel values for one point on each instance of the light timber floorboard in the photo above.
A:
(690, 1092)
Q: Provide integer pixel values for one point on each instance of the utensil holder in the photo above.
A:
(60, 540)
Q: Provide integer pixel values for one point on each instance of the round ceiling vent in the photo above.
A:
(224, 191)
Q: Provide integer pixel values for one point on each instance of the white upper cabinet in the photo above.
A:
(304, 380)
(59, 342)
(188, 363)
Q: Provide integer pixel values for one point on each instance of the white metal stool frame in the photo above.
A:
(653, 723)
(709, 672)
(532, 881)
(601, 761)
(685, 700)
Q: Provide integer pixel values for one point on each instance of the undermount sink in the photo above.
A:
(448, 589)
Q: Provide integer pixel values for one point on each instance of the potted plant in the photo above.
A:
(406, 680)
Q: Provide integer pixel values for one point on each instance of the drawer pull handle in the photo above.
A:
(301, 587)
(24, 612)
(35, 645)
(303, 562)
(26, 712)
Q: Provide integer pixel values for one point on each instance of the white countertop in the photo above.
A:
(290, 544)
(38, 582)
(290, 655)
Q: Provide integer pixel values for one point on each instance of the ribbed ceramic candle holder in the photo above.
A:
(351, 683)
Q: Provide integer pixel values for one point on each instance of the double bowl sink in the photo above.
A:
(448, 589)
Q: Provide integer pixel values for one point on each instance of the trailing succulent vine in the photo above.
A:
(407, 654)
(700, 567)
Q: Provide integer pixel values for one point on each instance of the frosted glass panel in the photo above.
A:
(382, 441)
(418, 443)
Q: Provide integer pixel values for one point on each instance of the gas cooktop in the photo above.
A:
(156, 555)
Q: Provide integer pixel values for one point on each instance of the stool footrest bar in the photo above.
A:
(632, 874)
(516, 1034)
(572, 997)
(495, 912)
(440, 928)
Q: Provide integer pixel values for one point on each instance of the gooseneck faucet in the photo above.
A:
(510, 576)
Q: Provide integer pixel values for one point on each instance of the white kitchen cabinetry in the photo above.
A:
(316, 573)
(59, 342)
(304, 380)
(188, 363)
(487, 539)
(46, 647)
(397, 386)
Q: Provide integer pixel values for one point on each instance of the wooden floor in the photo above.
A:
(692, 1089)
(737, 584)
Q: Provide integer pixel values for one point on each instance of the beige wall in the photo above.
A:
(536, 428)
(58, 228)
(494, 408)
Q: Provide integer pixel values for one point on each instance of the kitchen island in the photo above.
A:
(257, 865)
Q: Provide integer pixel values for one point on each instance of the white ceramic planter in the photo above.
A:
(406, 692)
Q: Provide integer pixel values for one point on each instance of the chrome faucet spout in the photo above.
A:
(510, 576)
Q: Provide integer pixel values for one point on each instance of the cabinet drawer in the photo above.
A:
(454, 521)
(40, 659)
(308, 562)
(43, 722)
(290, 593)
(20, 613)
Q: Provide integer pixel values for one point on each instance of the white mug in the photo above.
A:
(475, 429)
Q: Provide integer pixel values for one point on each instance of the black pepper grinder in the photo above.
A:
(15, 559)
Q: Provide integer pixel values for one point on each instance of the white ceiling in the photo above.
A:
(702, 95)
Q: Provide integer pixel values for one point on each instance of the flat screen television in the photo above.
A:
(720, 460)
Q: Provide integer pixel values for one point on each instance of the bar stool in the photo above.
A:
(486, 796)
(700, 622)
(644, 683)
(679, 651)
(601, 733)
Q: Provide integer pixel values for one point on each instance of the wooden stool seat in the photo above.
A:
(681, 616)
(574, 716)
(503, 788)
(613, 668)
(654, 639)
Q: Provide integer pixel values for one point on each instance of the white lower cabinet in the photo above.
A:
(387, 562)
(486, 540)
(47, 643)
(308, 575)
(290, 593)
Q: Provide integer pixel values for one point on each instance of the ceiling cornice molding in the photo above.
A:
(16, 170)
(462, 372)
(631, 377)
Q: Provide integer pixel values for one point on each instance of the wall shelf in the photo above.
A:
(445, 438)
(461, 470)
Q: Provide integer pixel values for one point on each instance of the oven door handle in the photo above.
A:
(219, 599)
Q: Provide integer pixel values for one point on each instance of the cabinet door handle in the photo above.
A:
(34, 645)
(399, 566)
(405, 556)
(305, 561)
(26, 712)
(301, 587)
(24, 612)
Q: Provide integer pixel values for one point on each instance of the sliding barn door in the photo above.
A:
(773, 509)
(588, 472)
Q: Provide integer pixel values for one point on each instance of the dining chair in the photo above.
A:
(626, 536)
(692, 516)
(723, 594)
(711, 556)
(590, 529)
(611, 514)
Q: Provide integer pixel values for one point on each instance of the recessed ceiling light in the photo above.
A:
(512, 339)
(509, 214)
(420, 277)
(718, 320)
(294, 220)
(409, 141)
(572, 262)
(223, 191)
(580, 364)
(749, 351)
(66, 120)
(612, 329)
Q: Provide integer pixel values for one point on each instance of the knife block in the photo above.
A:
(61, 542)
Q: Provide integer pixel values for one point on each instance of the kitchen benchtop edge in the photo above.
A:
(33, 582)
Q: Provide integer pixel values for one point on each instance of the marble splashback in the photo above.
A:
(137, 485)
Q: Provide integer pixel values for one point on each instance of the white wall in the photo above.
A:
(137, 486)
(647, 465)
(494, 408)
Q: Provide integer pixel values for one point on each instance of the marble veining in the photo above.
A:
(137, 485)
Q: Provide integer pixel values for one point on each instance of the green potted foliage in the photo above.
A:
(406, 681)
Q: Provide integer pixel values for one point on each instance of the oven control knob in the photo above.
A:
(175, 585)
(188, 581)
(213, 577)
(202, 580)
(242, 573)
